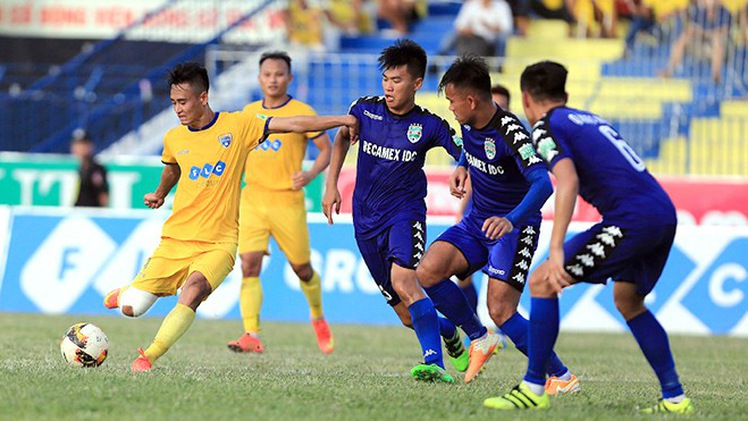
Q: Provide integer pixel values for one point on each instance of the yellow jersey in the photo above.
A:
(274, 162)
(211, 160)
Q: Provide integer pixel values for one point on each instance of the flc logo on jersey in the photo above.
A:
(415, 131)
(207, 170)
(489, 146)
(225, 139)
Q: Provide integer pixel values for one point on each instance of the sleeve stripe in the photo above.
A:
(169, 163)
(265, 133)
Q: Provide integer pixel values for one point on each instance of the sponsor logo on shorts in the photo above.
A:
(493, 271)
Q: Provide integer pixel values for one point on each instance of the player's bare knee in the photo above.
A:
(628, 306)
(426, 274)
(198, 289)
(304, 272)
(501, 312)
(250, 268)
(539, 285)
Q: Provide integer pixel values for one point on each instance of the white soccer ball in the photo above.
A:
(84, 345)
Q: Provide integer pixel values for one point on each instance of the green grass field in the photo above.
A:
(365, 378)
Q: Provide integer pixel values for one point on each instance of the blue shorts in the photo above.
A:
(403, 242)
(609, 251)
(506, 259)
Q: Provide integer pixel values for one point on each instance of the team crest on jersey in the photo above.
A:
(490, 147)
(415, 131)
(225, 139)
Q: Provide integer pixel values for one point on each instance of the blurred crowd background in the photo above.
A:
(670, 74)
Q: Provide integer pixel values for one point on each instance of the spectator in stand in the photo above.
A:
(642, 20)
(594, 18)
(481, 28)
(93, 189)
(521, 12)
(304, 25)
(401, 14)
(317, 25)
(707, 21)
(349, 16)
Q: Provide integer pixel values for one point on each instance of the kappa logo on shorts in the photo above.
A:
(528, 241)
(418, 234)
(597, 249)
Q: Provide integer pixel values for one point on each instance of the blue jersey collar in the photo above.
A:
(207, 126)
(280, 106)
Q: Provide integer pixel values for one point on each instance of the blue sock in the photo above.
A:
(654, 344)
(543, 333)
(452, 303)
(426, 325)
(471, 294)
(517, 328)
(447, 329)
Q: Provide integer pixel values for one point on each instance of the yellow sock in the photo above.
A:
(172, 328)
(313, 292)
(250, 302)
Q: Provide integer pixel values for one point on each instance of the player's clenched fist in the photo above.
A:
(153, 201)
(457, 182)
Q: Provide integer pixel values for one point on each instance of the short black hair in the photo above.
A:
(470, 72)
(276, 55)
(501, 90)
(191, 72)
(404, 52)
(545, 80)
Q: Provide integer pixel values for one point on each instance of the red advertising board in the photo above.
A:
(700, 201)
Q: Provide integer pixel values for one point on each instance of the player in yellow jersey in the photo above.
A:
(273, 204)
(206, 155)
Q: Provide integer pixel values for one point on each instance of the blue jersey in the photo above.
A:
(499, 156)
(611, 176)
(390, 182)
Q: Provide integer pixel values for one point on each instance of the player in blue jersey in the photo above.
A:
(389, 211)
(630, 245)
(501, 96)
(499, 232)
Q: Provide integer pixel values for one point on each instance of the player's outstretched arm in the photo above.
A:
(169, 177)
(331, 199)
(304, 124)
(567, 188)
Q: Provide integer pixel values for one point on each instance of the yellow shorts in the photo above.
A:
(174, 260)
(281, 214)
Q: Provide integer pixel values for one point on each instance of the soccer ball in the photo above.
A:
(84, 345)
